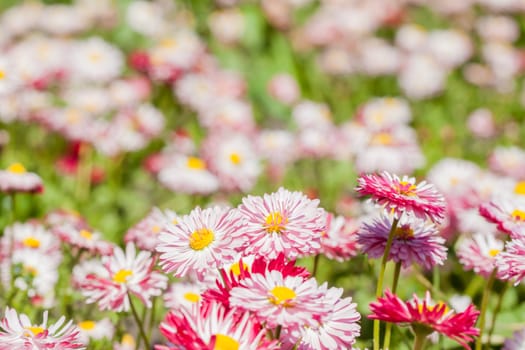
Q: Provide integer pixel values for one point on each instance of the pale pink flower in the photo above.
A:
(200, 241)
(145, 233)
(511, 262)
(281, 222)
(479, 253)
(508, 213)
(17, 179)
(340, 239)
(124, 274)
(17, 332)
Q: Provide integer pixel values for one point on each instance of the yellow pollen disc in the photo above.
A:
(404, 232)
(520, 188)
(87, 325)
(432, 307)
(174, 221)
(275, 222)
(281, 295)
(382, 138)
(34, 330)
(195, 163)
(86, 234)
(72, 117)
(225, 342)
(518, 215)
(95, 57)
(31, 242)
(201, 238)
(494, 252)
(31, 270)
(235, 158)
(406, 188)
(236, 268)
(127, 339)
(155, 229)
(378, 117)
(192, 297)
(168, 43)
(122, 276)
(2, 74)
(16, 168)
(390, 101)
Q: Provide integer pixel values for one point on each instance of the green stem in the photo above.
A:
(83, 185)
(316, 264)
(139, 323)
(497, 309)
(379, 289)
(483, 311)
(388, 330)
(152, 316)
(419, 342)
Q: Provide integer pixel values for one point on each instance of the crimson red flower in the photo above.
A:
(403, 195)
(424, 315)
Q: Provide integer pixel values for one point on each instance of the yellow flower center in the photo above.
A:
(86, 234)
(31, 270)
(382, 138)
(95, 56)
(201, 238)
(275, 222)
(16, 168)
(2, 74)
(195, 163)
(34, 331)
(192, 297)
(225, 342)
(168, 43)
(494, 252)
(432, 307)
(520, 188)
(518, 215)
(404, 232)
(127, 339)
(155, 229)
(282, 295)
(87, 325)
(406, 188)
(122, 276)
(235, 158)
(236, 268)
(31, 242)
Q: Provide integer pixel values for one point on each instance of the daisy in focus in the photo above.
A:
(425, 317)
(17, 332)
(200, 241)
(401, 195)
(121, 275)
(281, 222)
(415, 241)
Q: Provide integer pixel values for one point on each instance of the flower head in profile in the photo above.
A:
(479, 253)
(281, 222)
(426, 317)
(120, 275)
(200, 241)
(340, 241)
(403, 195)
(511, 262)
(17, 179)
(17, 332)
(211, 327)
(415, 241)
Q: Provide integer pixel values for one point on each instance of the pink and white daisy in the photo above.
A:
(202, 240)
(17, 179)
(511, 262)
(281, 222)
(479, 253)
(84, 238)
(415, 241)
(508, 213)
(338, 328)
(340, 239)
(95, 330)
(403, 195)
(279, 300)
(213, 327)
(124, 274)
(17, 332)
(32, 236)
(145, 234)
(427, 317)
(183, 295)
(187, 174)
